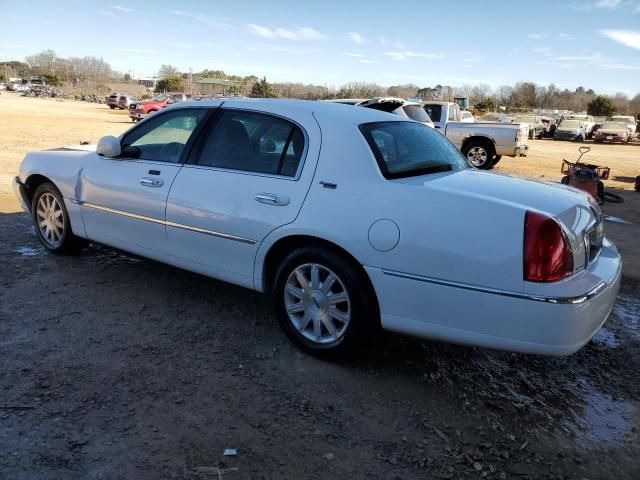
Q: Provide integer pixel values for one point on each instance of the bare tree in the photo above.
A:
(168, 71)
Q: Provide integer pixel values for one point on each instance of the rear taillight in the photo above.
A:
(547, 253)
(518, 135)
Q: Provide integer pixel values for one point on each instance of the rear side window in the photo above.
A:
(254, 142)
(417, 113)
(406, 149)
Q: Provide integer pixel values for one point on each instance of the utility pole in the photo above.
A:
(190, 81)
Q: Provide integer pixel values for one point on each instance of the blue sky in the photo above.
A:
(594, 43)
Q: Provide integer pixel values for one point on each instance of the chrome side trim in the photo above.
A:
(506, 293)
(168, 224)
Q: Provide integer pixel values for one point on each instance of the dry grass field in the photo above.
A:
(35, 124)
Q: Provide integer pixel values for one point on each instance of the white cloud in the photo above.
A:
(200, 18)
(108, 13)
(620, 66)
(300, 33)
(537, 36)
(122, 9)
(356, 38)
(356, 55)
(580, 58)
(366, 60)
(406, 54)
(610, 4)
(565, 36)
(542, 50)
(628, 38)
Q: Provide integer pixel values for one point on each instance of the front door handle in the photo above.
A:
(151, 182)
(272, 199)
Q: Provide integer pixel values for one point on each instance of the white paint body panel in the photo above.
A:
(458, 250)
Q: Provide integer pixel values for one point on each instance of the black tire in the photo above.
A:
(362, 306)
(66, 242)
(565, 180)
(112, 107)
(479, 153)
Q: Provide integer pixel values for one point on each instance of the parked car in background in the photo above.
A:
(597, 123)
(612, 132)
(124, 101)
(628, 120)
(112, 100)
(397, 106)
(140, 109)
(3, 86)
(569, 129)
(467, 117)
(536, 126)
(483, 144)
(351, 218)
(587, 122)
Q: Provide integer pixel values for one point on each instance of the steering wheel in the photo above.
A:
(171, 151)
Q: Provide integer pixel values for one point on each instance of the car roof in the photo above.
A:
(348, 113)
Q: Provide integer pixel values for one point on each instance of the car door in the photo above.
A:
(249, 174)
(123, 199)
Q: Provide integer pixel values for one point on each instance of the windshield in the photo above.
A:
(407, 149)
(614, 125)
(524, 119)
(417, 113)
(160, 98)
(569, 123)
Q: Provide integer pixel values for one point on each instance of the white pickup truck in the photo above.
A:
(483, 144)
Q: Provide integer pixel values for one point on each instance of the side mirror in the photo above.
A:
(108, 146)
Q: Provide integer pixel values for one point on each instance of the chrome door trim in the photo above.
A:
(168, 224)
(506, 293)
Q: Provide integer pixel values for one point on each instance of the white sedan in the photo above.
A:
(351, 218)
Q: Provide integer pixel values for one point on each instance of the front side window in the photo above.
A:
(254, 142)
(407, 149)
(163, 137)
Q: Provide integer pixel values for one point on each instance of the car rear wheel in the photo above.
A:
(51, 221)
(324, 302)
(479, 153)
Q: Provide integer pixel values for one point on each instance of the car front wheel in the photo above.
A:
(51, 221)
(324, 303)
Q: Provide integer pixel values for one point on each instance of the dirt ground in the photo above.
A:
(116, 367)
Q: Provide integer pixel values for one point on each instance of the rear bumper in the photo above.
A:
(20, 191)
(514, 321)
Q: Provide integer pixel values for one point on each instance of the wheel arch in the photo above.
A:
(33, 181)
(478, 137)
(286, 244)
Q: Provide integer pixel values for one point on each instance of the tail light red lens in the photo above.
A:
(547, 253)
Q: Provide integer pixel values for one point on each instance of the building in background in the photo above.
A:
(217, 86)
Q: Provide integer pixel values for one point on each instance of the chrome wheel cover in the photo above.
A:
(477, 156)
(50, 219)
(317, 303)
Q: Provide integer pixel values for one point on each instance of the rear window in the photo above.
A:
(417, 113)
(407, 149)
(434, 112)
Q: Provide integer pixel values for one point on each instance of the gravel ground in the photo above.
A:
(116, 367)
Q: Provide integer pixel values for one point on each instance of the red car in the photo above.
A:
(139, 110)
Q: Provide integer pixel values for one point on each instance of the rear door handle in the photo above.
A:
(151, 182)
(272, 199)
